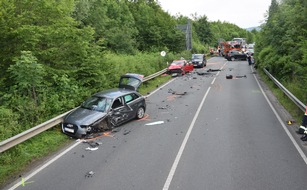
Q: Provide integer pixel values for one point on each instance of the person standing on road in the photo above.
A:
(303, 127)
(249, 59)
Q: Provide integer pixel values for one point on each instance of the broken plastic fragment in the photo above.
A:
(91, 149)
(244, 76)
(89, 174)
(229, 76)
(155, 123)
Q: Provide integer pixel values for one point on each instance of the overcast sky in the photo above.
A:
(243, 13)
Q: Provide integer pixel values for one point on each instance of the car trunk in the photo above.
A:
(130, 81)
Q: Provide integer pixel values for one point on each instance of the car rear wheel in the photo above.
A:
(140, 113)
(232, 58)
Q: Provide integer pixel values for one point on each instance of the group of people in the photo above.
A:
(303, 127)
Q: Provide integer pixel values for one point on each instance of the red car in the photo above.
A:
(179, 67)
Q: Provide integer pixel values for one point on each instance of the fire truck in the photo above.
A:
(236, 44)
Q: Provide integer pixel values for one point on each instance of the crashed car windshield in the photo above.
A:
(177, 63)
(198, 56)
(100, 104)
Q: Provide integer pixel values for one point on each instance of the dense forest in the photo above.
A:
(55, 53)
(281, 45)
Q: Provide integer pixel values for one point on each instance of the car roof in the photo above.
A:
(114, 93)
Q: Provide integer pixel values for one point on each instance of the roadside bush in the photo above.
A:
(8, 123)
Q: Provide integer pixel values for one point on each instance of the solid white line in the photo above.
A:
(281, 122)
(185, 140)
(44, 166)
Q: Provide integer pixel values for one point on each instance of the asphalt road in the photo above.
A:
(212, 133)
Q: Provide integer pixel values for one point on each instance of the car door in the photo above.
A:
(120, 112)
(132, 101)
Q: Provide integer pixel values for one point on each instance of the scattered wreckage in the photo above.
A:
(107, 109)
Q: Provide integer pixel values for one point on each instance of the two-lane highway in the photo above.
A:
(206, 132)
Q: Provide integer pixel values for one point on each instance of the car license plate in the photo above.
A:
(69, 130)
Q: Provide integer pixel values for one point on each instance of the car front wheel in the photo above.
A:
(140, 113)
(232, 59)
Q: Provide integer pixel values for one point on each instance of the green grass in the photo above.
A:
(19, 158)
(16, 160)
(283, 99)
(151, 85)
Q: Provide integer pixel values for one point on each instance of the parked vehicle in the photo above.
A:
(235, 55)
(199, 60)
(179, 67)
(107, 109)
(250, 49)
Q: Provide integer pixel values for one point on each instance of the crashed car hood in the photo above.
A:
(82, 116)
(174, 67)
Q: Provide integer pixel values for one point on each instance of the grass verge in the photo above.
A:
(283, 99)
(20, 158)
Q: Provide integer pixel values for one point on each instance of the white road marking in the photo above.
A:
(281, 122)
(45, 165)
(185, 140)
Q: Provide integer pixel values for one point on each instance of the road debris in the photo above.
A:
(126, 132)
(241, 76)
(155, 123)
(89, 174)
(229, 76)
(203, 73)
(213, 70)
(176, 93)
(91, 149)
(93, 144)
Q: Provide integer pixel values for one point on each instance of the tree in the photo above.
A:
(202, 29)
(27, 74)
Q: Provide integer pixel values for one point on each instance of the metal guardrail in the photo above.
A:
(17, 139)
(299, 104)
(149, 77)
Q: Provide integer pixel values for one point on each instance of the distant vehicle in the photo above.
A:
(199, 60)
(241, 41)
(179, 67)
(235, 55)
(229, 46)
(250, 49)
(107, 109)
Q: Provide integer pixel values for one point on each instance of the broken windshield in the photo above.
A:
(198, 56)
(100, 104)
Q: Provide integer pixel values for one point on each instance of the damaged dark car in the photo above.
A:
(107, 109)
(199, 60)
